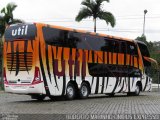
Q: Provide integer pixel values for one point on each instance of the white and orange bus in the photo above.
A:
(45, 60)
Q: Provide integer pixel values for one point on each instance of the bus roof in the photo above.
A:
(81, 31)
(91, 33)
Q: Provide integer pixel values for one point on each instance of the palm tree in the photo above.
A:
(93, 8)
(7, 18)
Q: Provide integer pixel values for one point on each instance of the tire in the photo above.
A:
(137, 90)
(70, 91)
(84, 91)
(38, 97)
(136, 93)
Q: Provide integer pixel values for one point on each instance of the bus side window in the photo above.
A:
(115, 46)
(123, 47)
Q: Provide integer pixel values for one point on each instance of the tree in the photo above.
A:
(93, 8)
(5, 20)
(149, 44)
(8, 18)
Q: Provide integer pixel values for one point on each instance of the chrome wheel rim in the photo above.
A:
(84, 91)
(70, 91)
(137, 90)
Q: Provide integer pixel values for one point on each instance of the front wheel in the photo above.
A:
(137, 90)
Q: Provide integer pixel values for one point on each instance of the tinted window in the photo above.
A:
(94, 42)
(107, 70)
(123, 47)
(144, 50)
(132, 49)
(71, 39)
(60, 38)
(111, 46)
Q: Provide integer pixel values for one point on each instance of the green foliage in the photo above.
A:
(6, 20)
(8, 17)
(93, 8)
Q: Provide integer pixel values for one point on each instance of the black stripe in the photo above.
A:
(133, 81)
(75, 66)
(25, 55)
(121, 88)
(133, 61)
(107, 82)
(12, 52)
(120, 81)
(97, 85)
(64, 85)
(117, 80)
(102, 85)
(145, 84)
(55, 79)
(150, 85)
(64, 77)
(84, 64)
(103, 79)
(128, 84)
(17, 60)
(92, 82)
(70, 57)
(47, 63)
(42, 69)
(32, 44)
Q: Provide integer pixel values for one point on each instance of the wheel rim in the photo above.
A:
(84, 90)
(137, 90)
(70, 91)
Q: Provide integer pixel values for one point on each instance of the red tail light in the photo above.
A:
(4, 76)
(37, 76)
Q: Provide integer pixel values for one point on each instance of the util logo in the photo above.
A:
(20, 31)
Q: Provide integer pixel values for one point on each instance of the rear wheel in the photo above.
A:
(70, 91)
(84, 90)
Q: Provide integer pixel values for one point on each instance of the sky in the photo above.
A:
(129, 16)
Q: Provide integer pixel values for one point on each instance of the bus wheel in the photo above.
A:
(84, 90)
(136, 93)
(70, 91)
(38, 97)
(137, 90)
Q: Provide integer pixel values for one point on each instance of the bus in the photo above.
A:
(44, 60)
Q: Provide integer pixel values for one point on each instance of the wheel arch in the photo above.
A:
(139, 83)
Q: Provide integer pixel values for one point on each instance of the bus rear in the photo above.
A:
(21, 74)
